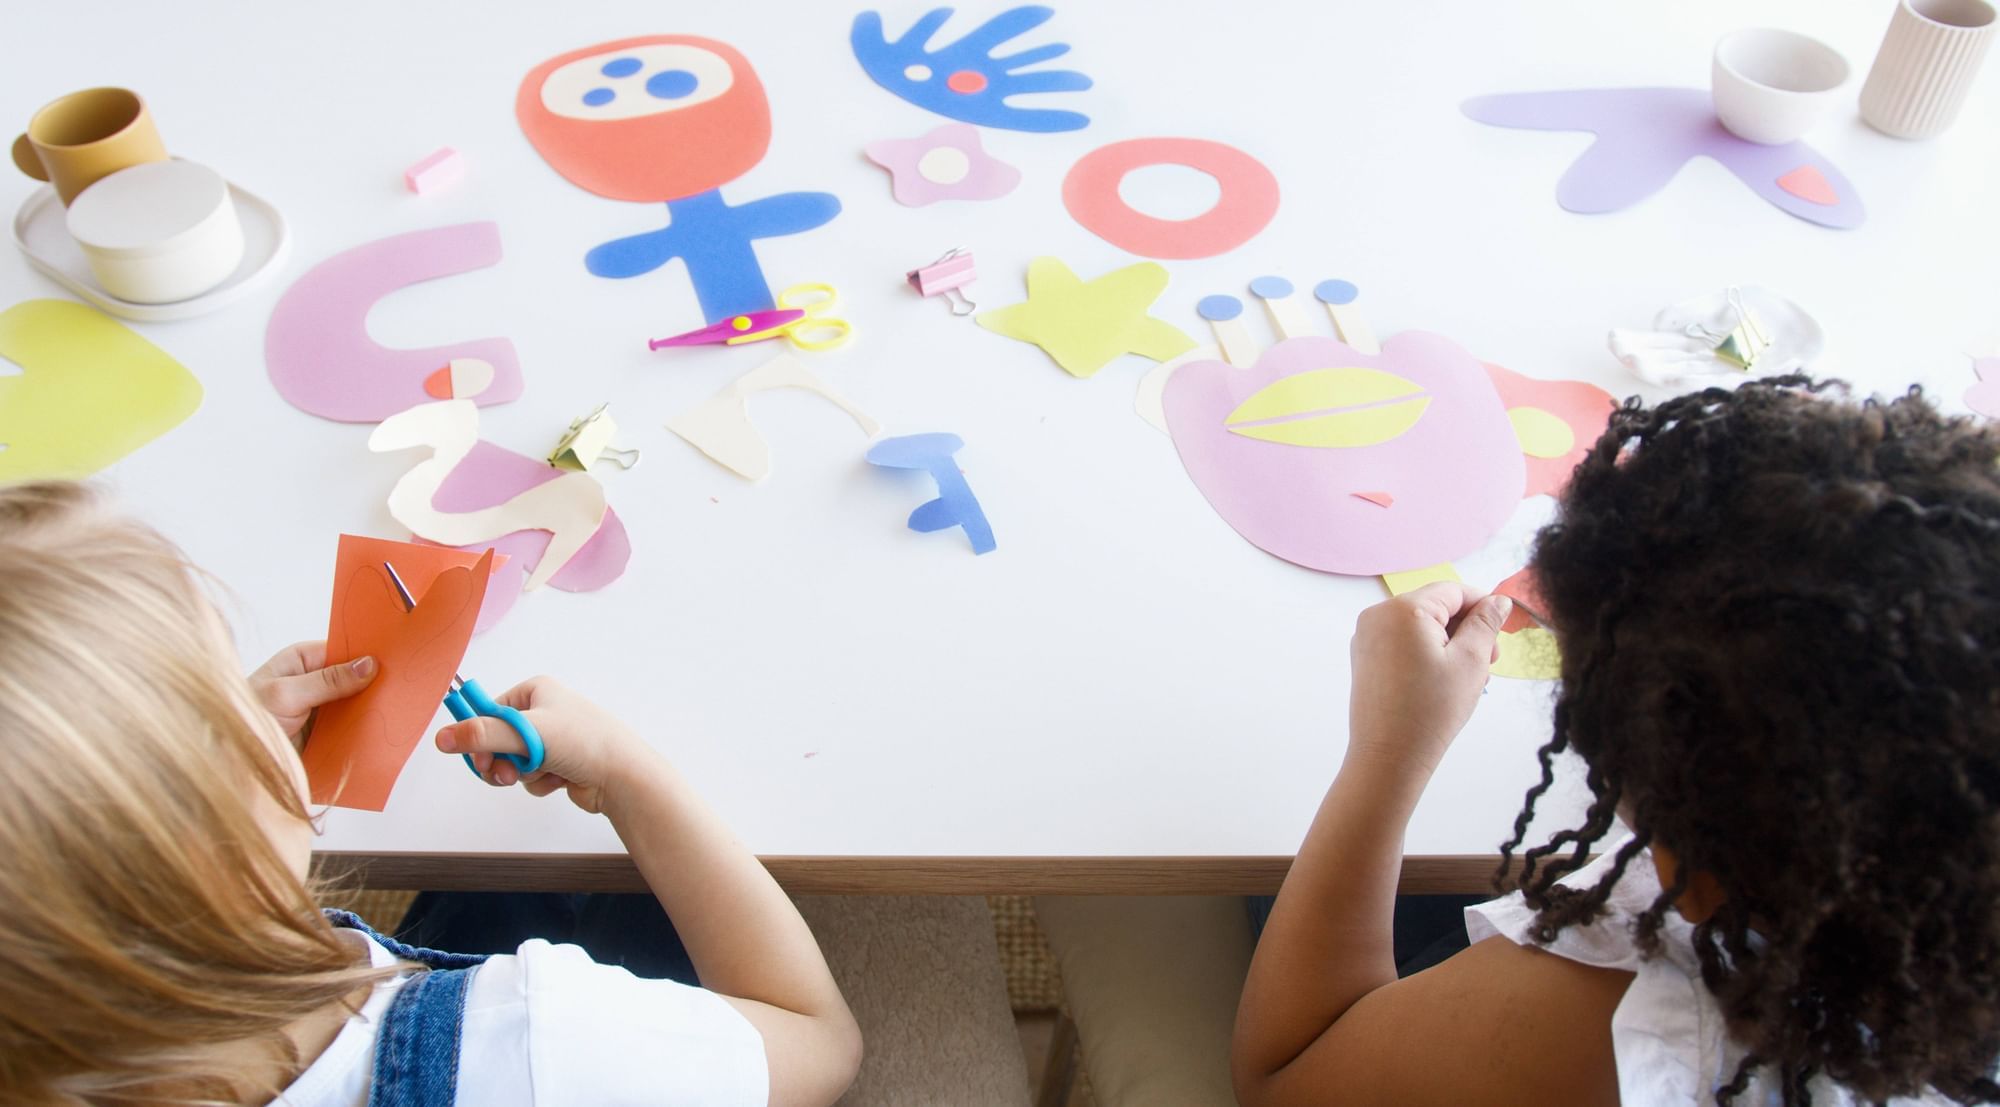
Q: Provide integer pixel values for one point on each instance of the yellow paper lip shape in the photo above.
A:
(1331, 408)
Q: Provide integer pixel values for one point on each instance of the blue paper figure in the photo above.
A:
(955, 505)
(714, 239)
(964, 81)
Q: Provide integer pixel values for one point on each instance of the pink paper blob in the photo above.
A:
(948, 163)
(1984, 396)
(1451, 480)
(490, 475)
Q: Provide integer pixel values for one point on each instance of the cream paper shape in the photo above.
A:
(570, 507)
(720, 427)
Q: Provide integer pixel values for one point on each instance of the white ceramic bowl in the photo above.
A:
(1771, 86)
(158, 233)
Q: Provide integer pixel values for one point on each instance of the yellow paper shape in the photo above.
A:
(90, 391)
(1528, 654)
(1542, 433)
(1082, 324)
(1331, 408)
(1410, 580)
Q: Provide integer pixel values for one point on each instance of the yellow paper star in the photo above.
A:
(1084, 324)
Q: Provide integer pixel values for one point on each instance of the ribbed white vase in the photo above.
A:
(1927, 64)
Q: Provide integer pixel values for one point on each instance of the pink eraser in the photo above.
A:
(442, 170)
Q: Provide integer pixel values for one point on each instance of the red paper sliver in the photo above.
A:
(358, 745)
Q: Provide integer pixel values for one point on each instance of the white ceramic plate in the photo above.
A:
(40, 234)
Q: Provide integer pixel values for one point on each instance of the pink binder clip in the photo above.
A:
(945, 277)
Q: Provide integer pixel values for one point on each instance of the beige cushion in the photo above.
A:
(1152, 983)
(922, 975)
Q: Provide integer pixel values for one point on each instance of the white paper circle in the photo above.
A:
(944, 165)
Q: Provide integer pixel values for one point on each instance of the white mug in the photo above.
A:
(1771, 85)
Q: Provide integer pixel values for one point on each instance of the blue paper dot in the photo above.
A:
(1271, 288)
(620, 67)
(671, 84)
(1218, 309)
(598, 97)
(1336, 292)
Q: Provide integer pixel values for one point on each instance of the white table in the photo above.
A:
(1125, 695)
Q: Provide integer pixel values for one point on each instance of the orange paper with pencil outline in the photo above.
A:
(358, 745)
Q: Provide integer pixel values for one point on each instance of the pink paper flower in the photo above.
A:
(946, 164)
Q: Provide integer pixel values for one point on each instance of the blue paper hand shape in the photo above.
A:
(964, 81)
(955, 505)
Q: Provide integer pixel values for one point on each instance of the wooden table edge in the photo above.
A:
(1463, 874)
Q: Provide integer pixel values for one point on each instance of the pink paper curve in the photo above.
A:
(1808, 183)
(317, 348)
(490, 475)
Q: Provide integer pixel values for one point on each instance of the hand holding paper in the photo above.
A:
(358, 745)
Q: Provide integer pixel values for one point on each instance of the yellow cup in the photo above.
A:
(75, 140)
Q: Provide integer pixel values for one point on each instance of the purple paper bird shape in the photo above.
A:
(1645, 135)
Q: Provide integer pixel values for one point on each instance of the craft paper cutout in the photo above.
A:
(490, 475)
(721, 426)
(359, 744)
(90, 391)
(570, 506)
(1525, 651)
(1529, 607)
(1332, 408)
(1083, 325)
(955, 505)
(1348, 324)
(317, 349)
(1579, 408)
(462, 379)
(1983, 397)
(715, 240)
(1249, 198)
(948, 163)
(964, 81)
(1454, 473)
(1809, 184)
(1645, 135)
(669, 119)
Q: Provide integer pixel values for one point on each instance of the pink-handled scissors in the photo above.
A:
(794, 315)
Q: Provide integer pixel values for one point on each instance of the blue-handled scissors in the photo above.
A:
(466, 700)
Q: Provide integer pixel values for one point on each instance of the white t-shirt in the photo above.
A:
(1668, 1034)
(547, 1024)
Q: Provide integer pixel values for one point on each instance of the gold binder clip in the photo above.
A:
(588, 441)
(1746, 342)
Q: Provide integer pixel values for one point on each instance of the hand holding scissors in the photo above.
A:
(467, 700)
(800, 318)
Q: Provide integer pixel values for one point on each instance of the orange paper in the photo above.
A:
(358, 745)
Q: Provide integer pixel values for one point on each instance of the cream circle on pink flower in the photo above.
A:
(945, 165)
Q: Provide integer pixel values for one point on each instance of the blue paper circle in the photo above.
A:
(598, 97)
(1271, 288)
(1336, 292)
(671, 84)
(621, 67)
(1217, 309)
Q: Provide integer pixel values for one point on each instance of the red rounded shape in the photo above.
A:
(667, 155)
(1249, 198)
(438, 384)
(966, 81)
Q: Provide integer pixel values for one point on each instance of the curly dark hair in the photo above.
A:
(1779, 614)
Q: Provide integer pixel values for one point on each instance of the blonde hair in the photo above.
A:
(145, 917)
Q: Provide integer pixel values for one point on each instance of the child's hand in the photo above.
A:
(584, 747)
(298, 679)
(1420, 662)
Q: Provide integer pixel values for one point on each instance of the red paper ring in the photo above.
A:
(1249, 198)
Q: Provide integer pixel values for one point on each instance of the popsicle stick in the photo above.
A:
(1339, 296)
(1238, 348)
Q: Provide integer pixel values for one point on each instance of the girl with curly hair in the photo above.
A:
(1779, 613)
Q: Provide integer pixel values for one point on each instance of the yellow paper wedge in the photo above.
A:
(1331, 408)
(90, 391)
(1541, 433)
